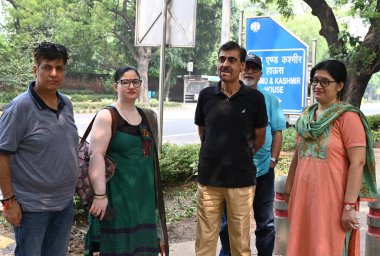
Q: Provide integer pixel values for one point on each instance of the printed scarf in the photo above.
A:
(309, 129)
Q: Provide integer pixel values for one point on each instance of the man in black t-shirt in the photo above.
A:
(231, 121)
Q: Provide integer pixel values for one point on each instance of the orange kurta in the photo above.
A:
(317, 196)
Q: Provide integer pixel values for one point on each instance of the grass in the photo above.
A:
(180, 202)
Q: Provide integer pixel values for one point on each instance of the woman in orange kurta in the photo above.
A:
(332, 168)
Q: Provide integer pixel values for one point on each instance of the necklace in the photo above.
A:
(126, 117)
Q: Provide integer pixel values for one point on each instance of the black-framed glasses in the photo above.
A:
(127, 82)
(230, 59)
(47, 45)
(323, 82)
(253, 69)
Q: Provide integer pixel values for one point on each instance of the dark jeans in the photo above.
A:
(44, 233)
(264, 218)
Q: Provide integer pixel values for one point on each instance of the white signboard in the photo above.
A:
(181, 17)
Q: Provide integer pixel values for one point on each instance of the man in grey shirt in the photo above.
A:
(39, 159)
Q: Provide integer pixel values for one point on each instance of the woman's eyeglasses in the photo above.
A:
(323, 82)
(126, 82)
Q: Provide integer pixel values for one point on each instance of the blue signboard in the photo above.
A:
(284, 59)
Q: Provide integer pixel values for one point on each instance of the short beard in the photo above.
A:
(250, 83)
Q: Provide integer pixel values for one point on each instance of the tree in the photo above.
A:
(361, 56)
(100, 36)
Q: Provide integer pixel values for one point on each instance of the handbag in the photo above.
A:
(83, 187)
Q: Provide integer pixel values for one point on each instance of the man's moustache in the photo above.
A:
(225, 69)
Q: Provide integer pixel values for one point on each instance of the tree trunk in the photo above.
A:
(144, 54)
(167, 82)
(362, 62)
(355, 88)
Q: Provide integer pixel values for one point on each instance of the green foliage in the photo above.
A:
(376, 136)
(92, 106)
(289, 139)
(285, 7)
(374, 121)
(282, 167)
(178, 163)
(3, 222)
(80, 211)
(181, 203)
(91, 97)
(77, 92)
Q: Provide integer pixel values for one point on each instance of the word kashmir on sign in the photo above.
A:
(284, 59)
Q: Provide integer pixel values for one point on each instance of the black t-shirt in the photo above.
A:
(225, 158)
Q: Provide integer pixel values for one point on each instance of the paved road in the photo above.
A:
(370, 108)
(178, 124)
(179, 127)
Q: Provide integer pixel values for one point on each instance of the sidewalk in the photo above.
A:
(187, 248)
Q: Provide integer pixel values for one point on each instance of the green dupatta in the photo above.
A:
(309, 129)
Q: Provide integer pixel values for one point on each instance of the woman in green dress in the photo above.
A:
(127, 215)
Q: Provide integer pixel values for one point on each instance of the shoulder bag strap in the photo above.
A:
(113, 125)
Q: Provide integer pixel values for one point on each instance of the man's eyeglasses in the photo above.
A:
(126, 82)
(47, 45)
(253, 69)
(231, 59)
(323, 82)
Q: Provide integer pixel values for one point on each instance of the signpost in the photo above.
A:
(284, 59)
(161, 23)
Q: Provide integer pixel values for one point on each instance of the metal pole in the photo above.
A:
(241, 18)
(314, 52)
(226, 18)
(313, 62)
(162, 77)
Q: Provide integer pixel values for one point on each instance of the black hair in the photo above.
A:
(120, 71)
(50, 51)
(335, 68)
(232, 45)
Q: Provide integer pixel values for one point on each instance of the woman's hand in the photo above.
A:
(99, 206)
(350, 220)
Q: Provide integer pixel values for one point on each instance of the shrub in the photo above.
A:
(80, 211)
(289, 139)
(375, 136)
(178, 163)
(73, 92)
(374, 121)
(282, 167)
(91, 97)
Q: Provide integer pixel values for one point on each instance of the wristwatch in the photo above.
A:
(349, 207)
(274, 160)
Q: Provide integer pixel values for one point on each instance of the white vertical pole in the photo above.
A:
(313, 62)
(162, 77)
(241, 20)
(226, 18)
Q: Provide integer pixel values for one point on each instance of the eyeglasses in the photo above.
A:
(253, 69)
(323, 82)
(231, 60)
(126, 82)
(47, 45)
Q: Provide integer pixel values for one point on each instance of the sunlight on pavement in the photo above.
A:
(5, 242)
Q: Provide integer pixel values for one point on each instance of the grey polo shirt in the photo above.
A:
(43, 144)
